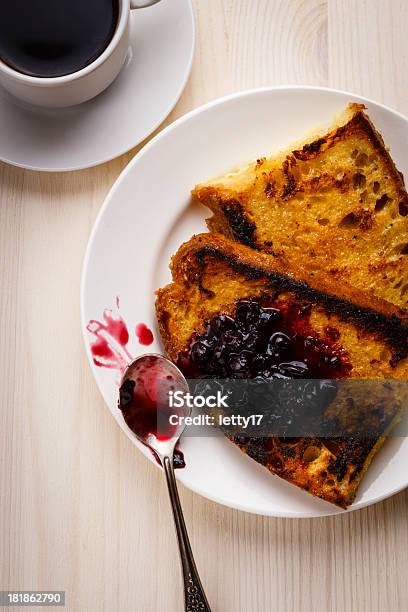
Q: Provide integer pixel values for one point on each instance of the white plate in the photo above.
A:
(147, 89)
(147, 216)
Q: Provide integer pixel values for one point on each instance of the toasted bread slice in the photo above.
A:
(338, 201)
(361, 337)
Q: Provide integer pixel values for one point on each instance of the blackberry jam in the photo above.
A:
(267, 339)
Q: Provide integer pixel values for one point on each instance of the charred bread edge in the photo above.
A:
(379, 318)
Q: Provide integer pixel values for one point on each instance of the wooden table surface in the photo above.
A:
(80, 508)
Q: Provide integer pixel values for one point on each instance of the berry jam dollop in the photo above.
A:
(267, 339)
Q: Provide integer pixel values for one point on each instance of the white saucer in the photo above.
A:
(147, 89)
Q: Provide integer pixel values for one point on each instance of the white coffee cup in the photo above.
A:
(57, 92)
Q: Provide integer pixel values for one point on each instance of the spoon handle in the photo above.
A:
(194, 596)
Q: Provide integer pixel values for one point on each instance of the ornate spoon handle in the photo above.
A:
(194, 596)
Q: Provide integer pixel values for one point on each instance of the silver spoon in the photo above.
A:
(144, 401)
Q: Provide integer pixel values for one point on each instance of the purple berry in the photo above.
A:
(201, 351)
(278, 344)
(293, 368)
(247, 314)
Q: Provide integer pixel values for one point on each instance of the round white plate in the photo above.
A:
(147, 215)
(147, 89)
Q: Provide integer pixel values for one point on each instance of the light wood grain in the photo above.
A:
(80, 509)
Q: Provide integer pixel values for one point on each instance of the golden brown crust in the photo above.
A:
(338, 201)
(216, 255)
(185, 265)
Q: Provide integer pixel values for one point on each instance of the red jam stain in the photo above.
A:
(111, 337)
(109, 350)
(144, 334)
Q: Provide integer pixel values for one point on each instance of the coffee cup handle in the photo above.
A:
(137, 4)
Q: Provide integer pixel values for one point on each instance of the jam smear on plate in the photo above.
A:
(144, 334)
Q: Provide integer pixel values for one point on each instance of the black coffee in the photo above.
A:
(50, 38)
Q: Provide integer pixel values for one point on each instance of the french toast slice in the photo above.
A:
(334, 332)
(337, 200)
